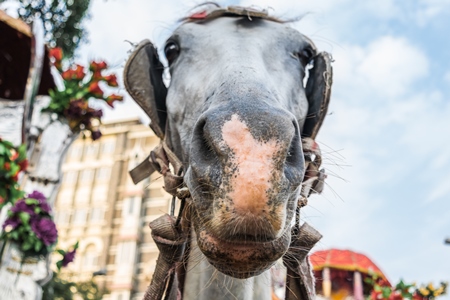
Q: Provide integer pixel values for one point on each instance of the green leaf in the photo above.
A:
(38, 246)
(14, 235)
(14, 168)
(8, 144)
(2, 148)
(16, 193)
(59, 264)
(62, 252)
(22, 151)
(30, 201)
(24, 217)
(386, 292)
(26, 246)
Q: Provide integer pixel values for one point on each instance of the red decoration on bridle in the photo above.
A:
(199, 16)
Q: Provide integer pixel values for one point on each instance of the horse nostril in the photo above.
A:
(201, 144)
(294, 156)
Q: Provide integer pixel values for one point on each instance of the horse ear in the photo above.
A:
(143, 81)
(318, 91)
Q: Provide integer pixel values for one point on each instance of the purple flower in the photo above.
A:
(13, 222)
(42, 200)
(76, 109)
(37, 195)
(44, 206)
(21, 206)
(45, 230)
(96, 135)
(68, 257)
(97, 113)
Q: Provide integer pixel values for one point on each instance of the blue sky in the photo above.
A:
(386, 141)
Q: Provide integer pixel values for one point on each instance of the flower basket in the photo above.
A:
(29, 235)
(30, 225)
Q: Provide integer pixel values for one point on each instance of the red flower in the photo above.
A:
(23, 165)
(56, 53)
(95, 90)
(7, 166)
(74, 74)
(68, 75)
(97, 66)
(111, 80)
(374, 294)
(395, 296)
(16, 177)
(97, 75)
(79, 72)
(56, 56)
(112, 98)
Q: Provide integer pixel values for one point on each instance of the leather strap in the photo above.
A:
(299, 279)
(314, 179)
(160, 159)
(171, 242)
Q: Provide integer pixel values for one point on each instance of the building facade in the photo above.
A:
(99, 206)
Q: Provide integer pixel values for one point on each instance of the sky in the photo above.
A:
(385, 142)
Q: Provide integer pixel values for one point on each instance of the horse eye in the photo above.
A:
(171, 50)
(305, 55)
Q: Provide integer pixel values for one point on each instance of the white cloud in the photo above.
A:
(429, 10)
(392, 65)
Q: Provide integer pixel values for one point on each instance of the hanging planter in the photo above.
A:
(29, 235)
(80, 86)
(30, 225)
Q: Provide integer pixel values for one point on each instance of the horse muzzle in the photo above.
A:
(246, 167)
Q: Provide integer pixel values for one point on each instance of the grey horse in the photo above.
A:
(232, 122)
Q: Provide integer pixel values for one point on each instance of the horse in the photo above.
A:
(237, 124)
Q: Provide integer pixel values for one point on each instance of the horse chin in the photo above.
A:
(242, 259)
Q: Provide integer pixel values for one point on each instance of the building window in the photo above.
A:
(79, 216)
(87, 175)
(125, 253)
(70, 177)
(75, 151)
(62, 217)
(91, 149)
(103, 173)
(108, 147)
(97, 214)
(131, 206)
(90, 258)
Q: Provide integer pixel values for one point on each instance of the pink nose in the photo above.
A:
(255, 167)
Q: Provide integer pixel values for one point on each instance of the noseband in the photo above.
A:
(171, 233)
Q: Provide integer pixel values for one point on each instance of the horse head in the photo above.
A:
(235, 113)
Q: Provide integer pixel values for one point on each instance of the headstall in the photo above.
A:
(170, 232)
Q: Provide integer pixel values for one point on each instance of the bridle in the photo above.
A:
(171, 233)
